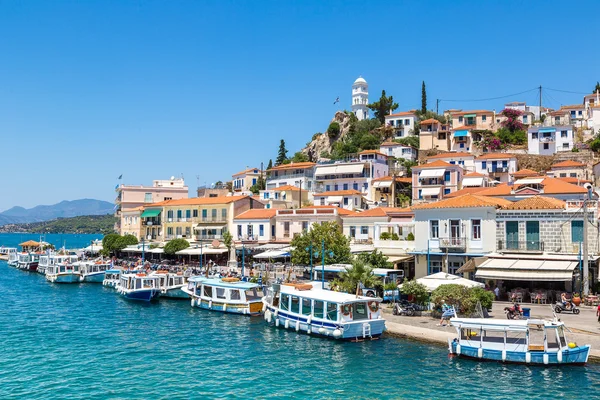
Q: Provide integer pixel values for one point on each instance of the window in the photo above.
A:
(364, 230)
(446, 190)
(170, 231)
(286, 229)
(214, 213)
(460, 119)
(332, 311)
(327, 188)
(261, 230)
(563, 174)
(204, 214)
(250, 230)
(345, 201)
(573, 175)
(239, 231)
(220, 293)
(224, 213)
(284, 304)
(407, 122)
(484, 118)
(434, 229)
(188, 213)
(305, 225)
(546, 146)
(352, 231)
(345, 186)
(435, 267)
(524, 119)
(483, 165)
(563, 134)
(195, 213)
(273, 231)
(147, 197)
(462, 145)
(355, 186)
(534, 135)
(420, 194)
(565, 145)
(476, 225)
(447, 176)
(179, 214)
(207, 291)
(295, 307)
(335, 187)
(365, 186)
(576, 231)
(306, 307)
(318, 308)
(234, 294)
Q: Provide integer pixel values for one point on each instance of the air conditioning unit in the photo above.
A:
(170, 219)
(149, 223)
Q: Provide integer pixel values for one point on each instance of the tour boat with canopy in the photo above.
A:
(63, 269)
(28, 261)
(138, 287)
(171, 285)
(93, 271)
(6, 251)
(112, 277)
(531, 341)
(13, 257)
(225, 295)
(309, 308)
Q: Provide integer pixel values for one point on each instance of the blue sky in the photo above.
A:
(149, 89)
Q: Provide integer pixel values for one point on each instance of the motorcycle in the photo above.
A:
(404, 308)
(514, 312)
(560, 307)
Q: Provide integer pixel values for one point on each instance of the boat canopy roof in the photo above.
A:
(326, 295)
(502, 324)
(113, 271)
(219, 283)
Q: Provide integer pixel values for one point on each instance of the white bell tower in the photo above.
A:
(360, 98)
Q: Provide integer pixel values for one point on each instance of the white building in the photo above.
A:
(294, 174)
(360, 98)
(403, 123)
(550, 140)
(498, 166)
(400, 151)
(255, 225)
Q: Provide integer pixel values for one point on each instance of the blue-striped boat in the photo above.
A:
(140, 287)
(228, 295)
(171, 285)
(64, 269)
(93, 271)
(531, 341)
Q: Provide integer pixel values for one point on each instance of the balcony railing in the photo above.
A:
(453, 243)
(520, 245)
(497, 169)
(151, 223)
(208, 237)
(547, 139)
(210, 220)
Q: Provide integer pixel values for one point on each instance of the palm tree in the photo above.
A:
(349, 279)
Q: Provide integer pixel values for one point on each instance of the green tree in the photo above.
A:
(415, 289)
(360, 273)
(270, 165)
(281, 154)
(299, 157)
(175, 245)
(423, 98)
(337, 245)
(227, 240)
(383, 107)
(123, 241)
(334, 129)
(411, 140)
(597, 88)
(260, 184)
(109, 240)
(375, 259)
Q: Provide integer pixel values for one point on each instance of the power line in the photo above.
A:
(495, 98)
(566, 91)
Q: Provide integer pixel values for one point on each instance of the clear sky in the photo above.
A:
(90, 90)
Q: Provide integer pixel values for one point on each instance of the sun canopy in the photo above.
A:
(382, 184)
(430, 191)
(529, 181)
(472, 181)
(461, 133)
(432, 173)
(355, 168)
(273, 254)
(547, 130)
(150, 213)
(434, 281)
(512, 269)
(196, 251)
(29, 243)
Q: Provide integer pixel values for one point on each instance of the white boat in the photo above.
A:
(28, 261)
(138, 287)
(531, 341)
(308, 308)
(171, 284)
(93, 271)
(112, 277)
(5, 251)
(225, 295)
(12, 257)
(63, 269)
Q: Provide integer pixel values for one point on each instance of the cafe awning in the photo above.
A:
(470, 115)
(460, 133)
(150, 213)
(511, 269)
(432, 173)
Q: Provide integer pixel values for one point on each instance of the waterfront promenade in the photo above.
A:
(584, 327)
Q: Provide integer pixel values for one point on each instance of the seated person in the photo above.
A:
(565, 301)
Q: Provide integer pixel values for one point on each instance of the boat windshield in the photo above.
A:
(253, 294)
(360, 311)
(561, 336)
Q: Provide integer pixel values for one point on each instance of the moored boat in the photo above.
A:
(310, 309)
(28, 261)
(530, 341)
(13, 257)
(63, 269)
(5, 251)
(225, 295)
(93, 271)
(138, 287)
(112, 277)
(171, 284)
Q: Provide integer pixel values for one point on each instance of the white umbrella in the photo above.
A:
(434, 281)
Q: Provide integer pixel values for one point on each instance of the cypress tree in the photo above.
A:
(423, 99)
(282, 154)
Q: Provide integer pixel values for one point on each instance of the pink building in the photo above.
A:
(435, 180)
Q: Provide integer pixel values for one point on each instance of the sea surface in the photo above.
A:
(59, 240)
(83, 341)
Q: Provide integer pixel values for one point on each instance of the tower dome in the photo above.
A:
(360, 98)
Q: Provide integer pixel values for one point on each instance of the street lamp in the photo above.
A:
(310, 248)
(143, 253)
(243, 256)
(323, 262)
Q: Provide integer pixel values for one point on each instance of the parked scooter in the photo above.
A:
(514, 312)
(570, 307)
(404, 308)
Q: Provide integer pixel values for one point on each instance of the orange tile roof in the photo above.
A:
(466, 201)
(402, 114)
(435, 164)
(258, 213)
(341, 211)
(389, 178)
(525, 173)
(473, 175)
(557, 186)
(572, 106)
(350, 192)
(247, 171)
(459, 113)
(372, 152)
(451, 155)
(379, 212)
(568, 163)
(299, 165)
(467, 190)
(430, 121)
(536, 203)
(389, 144)
(489, 156)
(463, 128)
(500, 190)
(286, 187)
(575, 181)
(196, 201)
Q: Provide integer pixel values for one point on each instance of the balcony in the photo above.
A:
(497, 169)
(210, 220)
(208, 237)
(151, 223)
(547, 139)
(453, 244)
(520, 246)
(406, 245)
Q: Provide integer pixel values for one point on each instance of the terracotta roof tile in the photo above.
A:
(500, 190)
(258, 213)
(430, 121)
(380, 212)
(372, 152)
(467, 190)
(568, 163)
(489, 156)
(524, 173)
(389, 178)
(286, 187)
(436, 164)
(196, 201)
(474, 175)
(459, 113)
(402, 114)
(557, 186)
(572, 106)
(537, 203)
(575, 181)
(450, 155)
(247, 171)
(341, 211)
(466, 201)
(350, 192)
(463, 128)
(299, 165)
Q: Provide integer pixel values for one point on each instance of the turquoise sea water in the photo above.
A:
(57, 239)
(85, 342)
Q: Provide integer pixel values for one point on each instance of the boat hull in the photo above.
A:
(576, 356)
(13, 263)
(174, 293)
(64, 278)
(350, 331)
(242, 308)
(93, 278)
(141, 295)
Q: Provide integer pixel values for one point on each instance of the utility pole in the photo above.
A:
(437, 106)
(586, 272)
(540, 111)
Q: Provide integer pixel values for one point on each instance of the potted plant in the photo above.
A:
(576, 299)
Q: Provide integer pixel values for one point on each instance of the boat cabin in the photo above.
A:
(168, 280)
(224, 290)
(88, 268)
(138, 282)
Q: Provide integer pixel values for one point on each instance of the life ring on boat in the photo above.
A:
(346, 309)
(373, 306)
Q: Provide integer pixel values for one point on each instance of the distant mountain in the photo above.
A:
(103, 224)
(64, 209)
